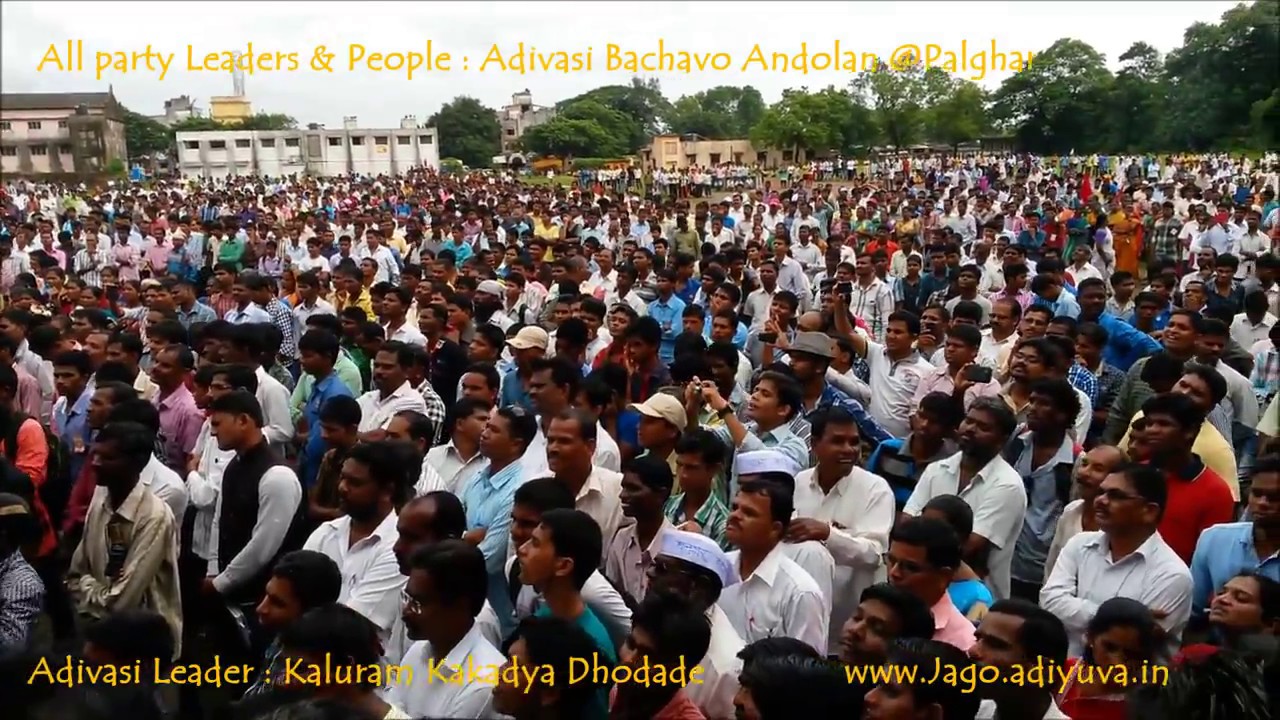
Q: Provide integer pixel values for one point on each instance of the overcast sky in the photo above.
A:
(470, 29)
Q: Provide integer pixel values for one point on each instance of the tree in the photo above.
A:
(571, 137)
(825, 121)
(468, 131)
(641, 103)
(720, 113)
(1058, 103)
(897, 98)
(1218, 75)
(1134, 109)
(959, 116)
(145, 136)
(268, 121)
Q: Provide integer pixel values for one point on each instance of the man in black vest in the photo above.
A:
(260, 503)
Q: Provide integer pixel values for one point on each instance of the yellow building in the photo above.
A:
(679, 152)
(229, 108)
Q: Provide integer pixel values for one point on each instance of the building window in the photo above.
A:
(357, 140)
(64, 149)
(267, 142)
(291, 142)
(217, 144)
(737, 158)
(62, 124)
(6, 125)
(788, 155)
(191, 144)
(404, 140)
(425, 139)
(335, 142)
(762, 157)
(242, 143)
(511, 132)
(39, 150)
(715, 158)
(380, 140)
(33, 125)
(8, 151)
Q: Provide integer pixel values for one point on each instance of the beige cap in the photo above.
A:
(530, 337)
(664, 407)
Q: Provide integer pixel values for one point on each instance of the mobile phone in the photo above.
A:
(768, 337)
(978, 374)
(845, 291)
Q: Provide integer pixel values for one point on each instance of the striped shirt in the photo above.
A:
(88, 265)
(892, 460)
(711, 517)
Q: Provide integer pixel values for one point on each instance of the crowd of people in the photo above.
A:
(427, 446)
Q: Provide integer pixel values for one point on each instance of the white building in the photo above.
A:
(519, 116)
(325, 153)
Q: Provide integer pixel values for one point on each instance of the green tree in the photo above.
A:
(959, 115)
(641, 103)
(1134, 109)
(268, 121)
(816, 122)
(897, 97)
(720, 113)
(468, 131)
(145, 136)
(1059, 102)
(571, 137)
(1219, 73)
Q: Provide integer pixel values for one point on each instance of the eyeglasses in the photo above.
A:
(1119, 495)
(409, 602)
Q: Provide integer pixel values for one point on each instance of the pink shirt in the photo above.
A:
(950, 627)
(940, 381)
(28, 399)
(127, 257)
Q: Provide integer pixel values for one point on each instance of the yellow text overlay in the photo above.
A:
(971, 59)
(71, 672)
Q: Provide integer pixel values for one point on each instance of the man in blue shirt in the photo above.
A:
(668, 310)
(1125, 343)
(490, 493)
(528, 345)
(318, 350)
(1226, 550)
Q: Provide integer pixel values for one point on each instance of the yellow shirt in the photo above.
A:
(1212, 449)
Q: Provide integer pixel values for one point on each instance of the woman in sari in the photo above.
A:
(1124, 230)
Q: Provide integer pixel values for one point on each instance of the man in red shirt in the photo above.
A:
(1198, 497)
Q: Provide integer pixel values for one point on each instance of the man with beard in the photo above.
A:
(487, 301)
(361, 540)
(1228, 549)
(694, 566)
(993, 489)
(423, 522)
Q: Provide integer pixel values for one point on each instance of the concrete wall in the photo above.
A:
(326, 153)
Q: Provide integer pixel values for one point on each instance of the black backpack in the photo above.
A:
(56, 490)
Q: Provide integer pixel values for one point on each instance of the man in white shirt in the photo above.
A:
(777, 596)
(395, 309)
(388, 270)
(451, 660)
(392, 392)
(993, 489)
(458, 459)
(310, 303)
(846, 508)
(246, 312)
(1125, 558)
(362, 541)
(553, 387)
